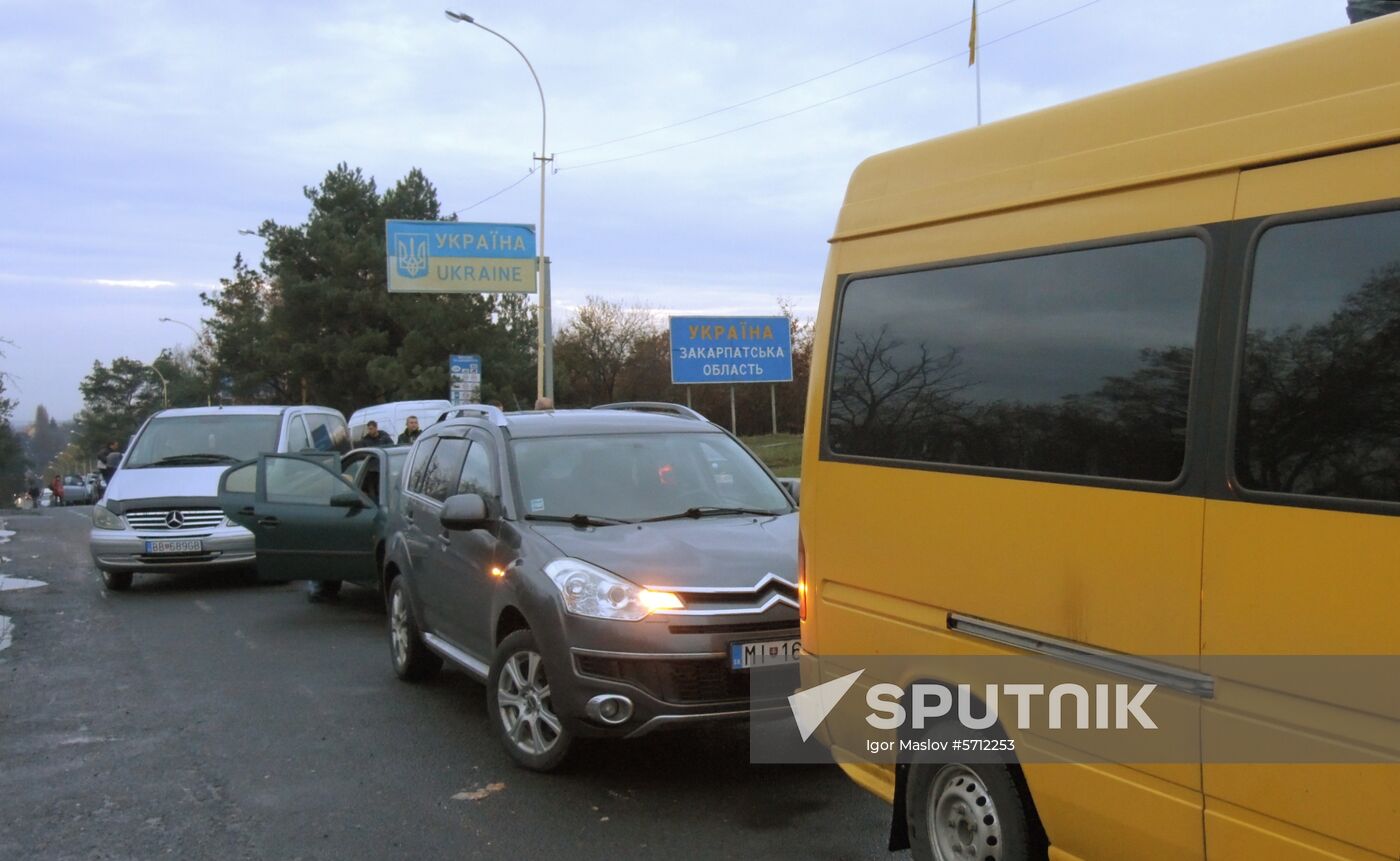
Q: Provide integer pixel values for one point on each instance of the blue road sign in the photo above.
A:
(460, 257)
(731, 350)
(465, 375)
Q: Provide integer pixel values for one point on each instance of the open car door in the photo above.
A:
(308, 522)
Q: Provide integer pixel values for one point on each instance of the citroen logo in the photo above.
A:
(174, 520)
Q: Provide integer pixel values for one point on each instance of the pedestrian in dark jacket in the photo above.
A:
(410, 431)
(376, 437)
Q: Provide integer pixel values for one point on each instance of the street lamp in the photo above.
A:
(208, 399)
(544, 380)
(164, 383)
(181, 323)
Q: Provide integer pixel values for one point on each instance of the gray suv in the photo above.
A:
(605, 572)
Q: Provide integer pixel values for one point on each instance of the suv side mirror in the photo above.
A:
(464, 511)
(794, 488)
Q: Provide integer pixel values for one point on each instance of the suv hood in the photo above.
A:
(725, 551)
(165, 485)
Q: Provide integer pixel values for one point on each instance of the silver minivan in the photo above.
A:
(161, 510)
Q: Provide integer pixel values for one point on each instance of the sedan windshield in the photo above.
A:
(632, 477)
(197, 440)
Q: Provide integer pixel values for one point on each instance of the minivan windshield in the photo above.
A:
(197, 440)
(635, 477)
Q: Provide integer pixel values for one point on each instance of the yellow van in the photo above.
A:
(1122, 378)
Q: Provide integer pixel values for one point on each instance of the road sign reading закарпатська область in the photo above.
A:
(731, 350)
(460, 257)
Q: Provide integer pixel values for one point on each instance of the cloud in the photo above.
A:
(140, 283)
(120, 283)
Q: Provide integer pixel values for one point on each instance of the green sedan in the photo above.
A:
(317, 516)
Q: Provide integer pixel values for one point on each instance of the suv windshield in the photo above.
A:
(632, 477)
(199, 440)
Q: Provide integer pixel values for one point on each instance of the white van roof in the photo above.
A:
(427, 406)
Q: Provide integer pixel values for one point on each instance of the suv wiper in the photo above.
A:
(711, 511)
(578, 519)
(203, 457)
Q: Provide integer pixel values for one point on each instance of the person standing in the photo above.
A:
(56, 485)
(410, 431)
(375, 437)
(110, 459)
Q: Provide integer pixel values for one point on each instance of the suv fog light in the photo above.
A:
(611, 709)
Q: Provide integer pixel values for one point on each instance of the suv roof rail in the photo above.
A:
(486, 411)
(661, 407)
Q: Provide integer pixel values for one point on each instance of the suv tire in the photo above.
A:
(519, 705)
(413, 661)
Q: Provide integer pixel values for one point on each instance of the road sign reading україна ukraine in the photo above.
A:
(731, 350)
(459, 257)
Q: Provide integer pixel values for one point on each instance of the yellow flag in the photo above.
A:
(972, 37)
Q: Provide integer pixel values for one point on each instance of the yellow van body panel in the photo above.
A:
(892, 549)
(1290, 580)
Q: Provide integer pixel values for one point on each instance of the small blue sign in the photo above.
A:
(465, 380)
(730, 350)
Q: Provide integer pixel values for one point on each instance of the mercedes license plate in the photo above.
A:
(175, 545)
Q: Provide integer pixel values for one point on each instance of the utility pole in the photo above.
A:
(544, 378)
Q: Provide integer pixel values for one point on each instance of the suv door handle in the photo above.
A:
(269, 522)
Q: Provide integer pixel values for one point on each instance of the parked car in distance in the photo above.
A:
(605, 572)
(77, 490)
(392, 416)
(161, 511)
(315, 519)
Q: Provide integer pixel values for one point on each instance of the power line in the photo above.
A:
(785, 89)
(494, 195)
(823, 102)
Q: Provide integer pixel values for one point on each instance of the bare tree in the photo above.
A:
(597, 344)
(886, 394)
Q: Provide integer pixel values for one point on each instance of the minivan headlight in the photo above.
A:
(588, 590)
(104, 519)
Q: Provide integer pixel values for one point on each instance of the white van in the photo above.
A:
(391, 417)
(161, 509)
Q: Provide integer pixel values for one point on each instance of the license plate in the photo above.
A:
(175, 545)
(768, 653)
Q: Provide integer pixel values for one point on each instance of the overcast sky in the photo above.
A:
(138, 138)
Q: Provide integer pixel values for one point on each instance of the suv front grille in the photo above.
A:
(683, 681)
(187, 519)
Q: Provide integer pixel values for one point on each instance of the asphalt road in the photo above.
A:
(198, 716)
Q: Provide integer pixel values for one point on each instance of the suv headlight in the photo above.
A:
(588, 590)
(104, 519)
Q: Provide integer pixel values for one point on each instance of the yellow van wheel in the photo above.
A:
(964, 812)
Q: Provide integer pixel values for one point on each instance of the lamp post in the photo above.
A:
(208, 399)
(544, 378)
(164, 383)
